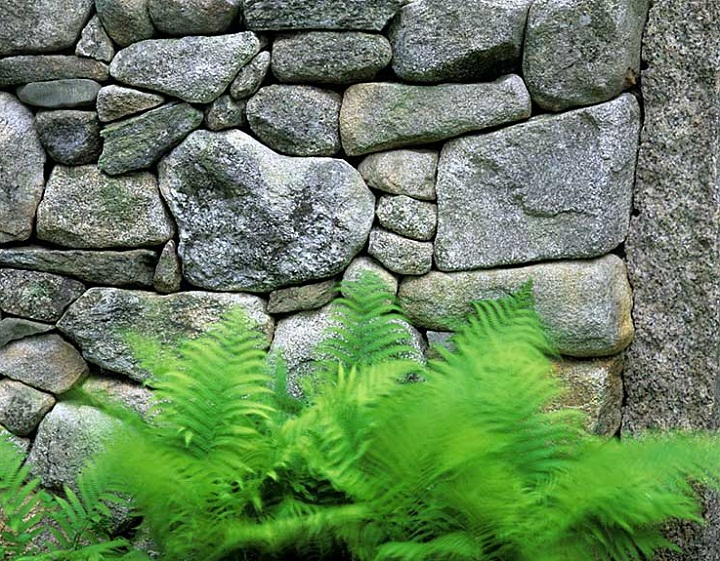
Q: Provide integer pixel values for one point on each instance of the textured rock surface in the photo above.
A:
(22, 407)
(22, 444)
(581, 52)
(297, 298)
(329, 57)
(552, 188)
(116, 102)
(266, 221)
(400, 255)
(24, 69)
(296, 120)
(46, 362)
(22, 161)
(94, 42)
(70, 137)
(225, 113)
(434, 41)
(584, 304)
(361, 265)
(126, 21)
(12, 329)
(35, 295)
(378, 116)
(195, 69)
(168, 274)
(84, 208)
(136, 397)
(402, 172)
(193, 17)
(100, 321)
(139, 142)
(407, 217)
(251, 76)
(57, 94)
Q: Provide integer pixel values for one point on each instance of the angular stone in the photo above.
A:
(130, 395)
(194, 69)
(22, 407)
(12, 329)
(225, 113)
(70, 137)
(116, 102)
(84, 208)
(36, 295)
(193, 17)
(22, 161)
(402, 172)
(378, 116)
(361, 265)
(330, 57)
(57, 94)
(46, 362)
(139, 142)
(100, 321)
(126, 21)
(168, 275)
(250, 219)
(436, 41)
(24, 69)
(94, 42)
(298, 298)
(251, 76)
(296, 120)
(439, 339)
(41, 25)
(407, 217)
(400, 255)
(114, 268)
(365, 15)
(498, 206)
(582, 52)
(585, 305)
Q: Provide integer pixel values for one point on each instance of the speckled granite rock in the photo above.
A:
(408, 172)
(36, 295)
(116, 102)
(193, 17)
(251, 76)
(70, 137)
(399, 254)
(407, 217)
(17, 70)
(58, 94)
(298, 298)
(126, 21)
(94, 42)
(22, 407)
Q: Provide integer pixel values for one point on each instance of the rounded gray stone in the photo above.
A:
(24, 69)
(22, 407)
(70, 137)
(115, 102)
(251, 76)
(57, 94)
(168, 273)
(329, 57)
(37, 295)
(251, 219)
(126, 21)
(299, 298)
(408, 172)
(400, 255)
(225, 113)
(94, 42)
(193, 17)
(407, 217)
(361, 265)
(296, 120)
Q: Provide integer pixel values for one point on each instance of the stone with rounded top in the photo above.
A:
(407, 217)
(70, 137)
(37, 295)
(58, 94)
(22, 407)
(193, 17)
(126, 21)
(251, 76)
(408, 172)
(399, 254)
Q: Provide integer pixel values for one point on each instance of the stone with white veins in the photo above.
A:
(193, 17)
(94, 42)
(408, 172)
(555, 187)
(126, 21)
(37, 295)
(251, 76)
(115, 102)
(399, 254)
(22, 407)
(407, 217)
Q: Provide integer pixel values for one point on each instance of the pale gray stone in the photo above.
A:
(251, 76)
(58, 94)
(458, 40)
(22, 161)
(362, 265)
(22, 444)
(12, 329)
(378, 116)
(94, 42)
(582, 52)
(552, 188)
(168, 273)
(128, 394)
(36, 295)
(298, 298)
(225, 113)
(193, 17)
(17, 70)
(46, 362)
(296, 120)
(585, 305)
(407, 217)
(251, 219)
(126, 21)
(195, 69)
(115, 102)
(70, 137)
(22, 407)
(139, 142)
(330, 57)
(101, 319)
(400, 255)
(408, 172)
(437, 340)
(84, 208)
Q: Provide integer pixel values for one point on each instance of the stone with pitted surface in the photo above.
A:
(408, 172)
(36, 295)
(94, 42)
(298, 298)
(193, 17)
(407, 217)
(168, 273)
(362, 265)
(251, 76)
(22, 407)
(399, 254)
(24, 69)
(70, 137)
(126, 21)
(225, 113)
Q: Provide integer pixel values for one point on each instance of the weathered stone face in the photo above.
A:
(70, 137)
(402, 172)
(22, 407)
(251, 219)
(251, 76)
(94, 42)
(400, 255)
(407, 217)
(17, 70)
(58, 94)
(126, 21)
(36, 295)
(193, 17)
(116, 102)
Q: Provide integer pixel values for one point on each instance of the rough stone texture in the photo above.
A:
(370, 15)
(41, 25)
(101, 319)
(437, 339)
(168, 274)
(265, 220)
(12, 329)
(584, 304)
(139, 142)
(298, 298)
(116, 102)
(22, 407)
(458, 40)
(57, 94)
(296, 120)
(582, 52)
(407, 217)
(22, 444)
(195, 69)
(46, 362)
(35, 295)
(133, 396)
(22, 161)
(115, 268)
(126, 21)
(70, 137)
(361, 265)
(554, 187)
(94, 42)
(24, 69)
(251, 76)
(402, 172)
(84, 208)
(225, 113)
(400, 255)
(329, 57)
(378, 116)
(193, 17)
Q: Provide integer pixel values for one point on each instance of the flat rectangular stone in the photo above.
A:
(24, 69)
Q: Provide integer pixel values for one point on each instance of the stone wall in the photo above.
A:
(164, 160)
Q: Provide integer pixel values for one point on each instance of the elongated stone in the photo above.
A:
(24, 69)
(193, 17)
(115, 102)
(36, 295)
(400, 255)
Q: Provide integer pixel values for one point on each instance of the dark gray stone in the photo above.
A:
(12, 329)
(126, 21)
(298, 298)
(25, 69)
(94, 42)
(36, 295)
(251, 76)
(168, 273)
(116, 102)
(22, 407)
(400, 255)
(193, 17)
(225, 113)
(58, 94)
(402, 172)
(70, 137)
(407, 217)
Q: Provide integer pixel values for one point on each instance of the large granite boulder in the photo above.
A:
(70, 137)
(23, 69)
(36, 295)
(555, 187)
(251, 219)
(193, 17)
(126, 21)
